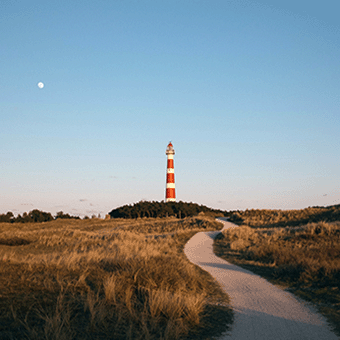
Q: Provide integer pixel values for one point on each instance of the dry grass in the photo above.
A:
(266, 218)
(112, 279)
(305, 259)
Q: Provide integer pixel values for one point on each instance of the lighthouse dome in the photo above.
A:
(170, 149)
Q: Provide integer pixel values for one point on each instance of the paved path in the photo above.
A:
(262, 311)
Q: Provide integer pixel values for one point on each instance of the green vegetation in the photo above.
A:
(303, 259)
(162, 209)
(137, 210)
(33, 216)
(106, 279)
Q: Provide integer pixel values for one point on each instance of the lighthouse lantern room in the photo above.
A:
(170, 195)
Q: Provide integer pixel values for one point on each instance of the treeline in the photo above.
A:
(282, 218)
(164, 209)
(33, 216)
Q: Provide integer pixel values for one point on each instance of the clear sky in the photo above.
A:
(247, 91)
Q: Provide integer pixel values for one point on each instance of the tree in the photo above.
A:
(6, 218)
(60, 214)
(40, 216)
(163, 209)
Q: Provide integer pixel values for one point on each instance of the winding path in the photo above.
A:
(262, 311)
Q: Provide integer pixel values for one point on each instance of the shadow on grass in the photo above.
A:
(14, 241)
(215, 321)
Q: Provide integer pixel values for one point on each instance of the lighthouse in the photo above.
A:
(170, 195)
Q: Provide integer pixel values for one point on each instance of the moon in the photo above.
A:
(40, 85)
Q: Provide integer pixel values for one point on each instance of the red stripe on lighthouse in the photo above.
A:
(170, 194)
(170, 178)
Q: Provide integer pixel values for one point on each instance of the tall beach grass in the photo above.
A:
(304, 259)
(112, 279)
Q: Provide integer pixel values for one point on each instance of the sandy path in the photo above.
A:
(262, 311)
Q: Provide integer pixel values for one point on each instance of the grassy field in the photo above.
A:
(266, 218)
(305, 259)
(106, 279)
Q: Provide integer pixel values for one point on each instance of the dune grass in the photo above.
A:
(106, 279)
(267, 218)
(304, 260)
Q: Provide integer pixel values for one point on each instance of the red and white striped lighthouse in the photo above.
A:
(170, 195)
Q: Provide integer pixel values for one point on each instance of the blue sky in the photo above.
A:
(247, 91)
